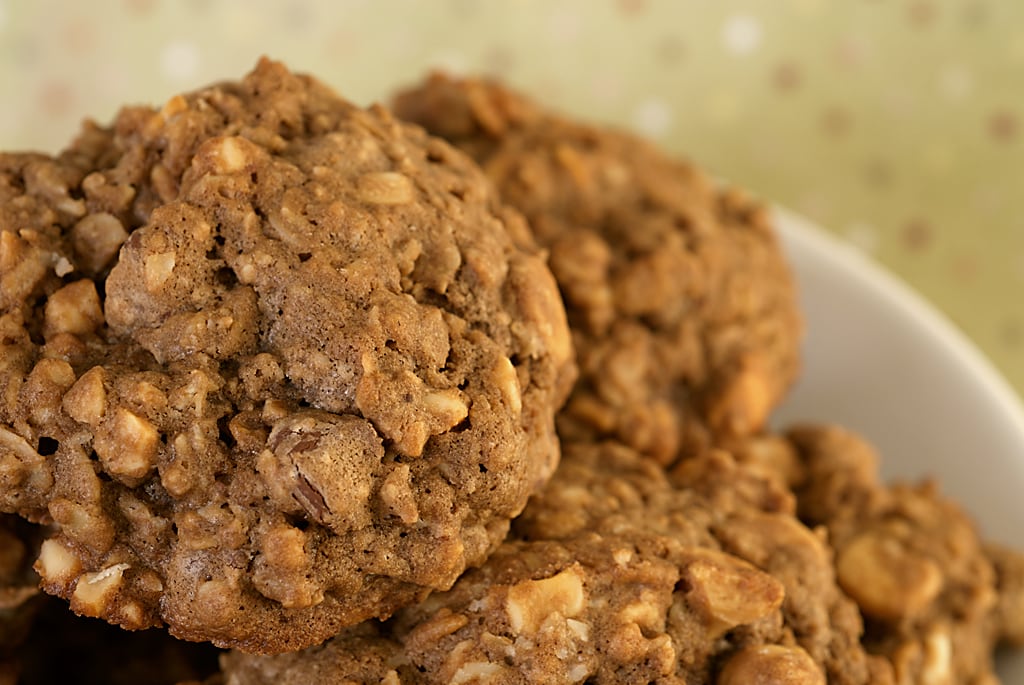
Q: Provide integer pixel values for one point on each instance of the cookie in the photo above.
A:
(1008, 616)
(935, 599)
(681, 304)
(618, 573)
(272, 364)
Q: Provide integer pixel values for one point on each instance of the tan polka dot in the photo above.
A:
(921, 13)
(850, 52)
(964, 268)
(917, 235)
(632, 6)
(836, 121)
(140, 6)
(79, 36)
(56, 98)
(670, 50)
(787, 77)
(340, 43)
(1003, 126)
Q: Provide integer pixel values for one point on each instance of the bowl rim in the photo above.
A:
(797, 231)
(801, 237)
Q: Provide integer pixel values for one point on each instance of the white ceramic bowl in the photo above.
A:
(880, 360)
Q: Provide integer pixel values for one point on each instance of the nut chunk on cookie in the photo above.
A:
(935, 599)
(618, 573)
(682, 308)
(272, 364)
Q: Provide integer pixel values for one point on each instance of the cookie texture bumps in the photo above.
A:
(682, 307)
(272, 364)
(936, 600)
(619, 573)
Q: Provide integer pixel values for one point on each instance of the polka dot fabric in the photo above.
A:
(897, 125)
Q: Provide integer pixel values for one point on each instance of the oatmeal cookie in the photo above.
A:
(619, 573)
(272, 364)
(682, 307)
(935, 599)
(1008, 564)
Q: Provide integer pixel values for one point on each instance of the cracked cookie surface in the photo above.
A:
(619, 573)
(273, 364)
(682, 308)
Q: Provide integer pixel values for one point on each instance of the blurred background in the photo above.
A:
(897, 125)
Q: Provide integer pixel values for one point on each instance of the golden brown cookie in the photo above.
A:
(935, 600)
(272, 364)
(618, 573)
(1008, 624)
(682, 307)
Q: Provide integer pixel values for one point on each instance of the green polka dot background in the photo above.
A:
(897, 125)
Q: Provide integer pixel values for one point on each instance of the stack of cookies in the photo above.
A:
(463, 393)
